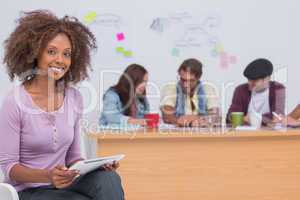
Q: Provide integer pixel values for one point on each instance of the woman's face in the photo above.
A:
(55, 59)
(140, 89)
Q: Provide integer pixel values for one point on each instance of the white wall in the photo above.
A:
(245, 30)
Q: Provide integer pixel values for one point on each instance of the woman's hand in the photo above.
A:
(62, 177)
(141, 122)
(111, 167)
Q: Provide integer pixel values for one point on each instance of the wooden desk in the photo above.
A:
(242, 165)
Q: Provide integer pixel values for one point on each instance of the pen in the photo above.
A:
(277, 116)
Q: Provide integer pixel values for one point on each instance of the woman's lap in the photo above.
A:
(97, 185)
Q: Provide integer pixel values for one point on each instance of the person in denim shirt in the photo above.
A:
(190, 102)
(126, 102)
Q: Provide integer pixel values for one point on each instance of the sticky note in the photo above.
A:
(219, 48)
(224, 56)
(175, 52)
(127, 54)
(120, 36)
(224, 60)
(214, 53)
(232, 59)
(90, 17)
(224, 65)
(120, 49)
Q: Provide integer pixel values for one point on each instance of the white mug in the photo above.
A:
(255, 119)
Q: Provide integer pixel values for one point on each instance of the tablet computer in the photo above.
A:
(86, 166)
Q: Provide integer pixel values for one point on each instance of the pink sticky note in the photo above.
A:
(120, 36)
(224, 65)
(224, 61)
(224, 56)
(232, 59)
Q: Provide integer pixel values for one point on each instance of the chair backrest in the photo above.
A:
(8, 192)
(88, 145)
(1, 176)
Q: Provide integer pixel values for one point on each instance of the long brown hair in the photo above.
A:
(129, 80)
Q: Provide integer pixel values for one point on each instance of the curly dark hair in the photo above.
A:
(33, 32)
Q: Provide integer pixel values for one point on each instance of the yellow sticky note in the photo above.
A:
(219, 48)
(90, 17)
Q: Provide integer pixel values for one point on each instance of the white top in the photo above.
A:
(259, 102)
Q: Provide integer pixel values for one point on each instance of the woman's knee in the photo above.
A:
(105, 178)
(100, 184)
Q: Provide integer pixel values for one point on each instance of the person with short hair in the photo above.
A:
(189, 102)
(259, 94)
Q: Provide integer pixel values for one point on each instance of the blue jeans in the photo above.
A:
(97, 185)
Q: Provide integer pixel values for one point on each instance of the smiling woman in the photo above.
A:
(56, 57)
(32, 38)
(40, 118)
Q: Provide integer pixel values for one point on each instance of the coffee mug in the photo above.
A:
(237, 119)
(255, 119)
(152, 120)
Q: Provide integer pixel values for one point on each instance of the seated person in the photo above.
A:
(40, 118)
(189, 102)
(126, 102)
(260, 94)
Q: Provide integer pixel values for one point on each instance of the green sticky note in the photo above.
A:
(90, 17)
(120, 49)
(127, 53)
(175, 52)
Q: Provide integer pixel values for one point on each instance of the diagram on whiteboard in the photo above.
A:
(187, 31)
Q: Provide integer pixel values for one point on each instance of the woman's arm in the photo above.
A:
(74, 151)
(59, 176)
(10, 129)
(112, 111)
(24, 174)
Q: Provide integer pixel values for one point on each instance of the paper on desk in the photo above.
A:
(115, 127)
(170, 127)
(246, 128)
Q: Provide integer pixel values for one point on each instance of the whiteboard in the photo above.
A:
(224, 35)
